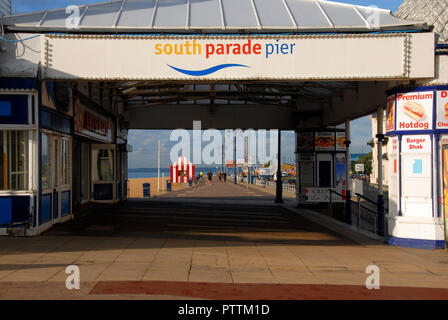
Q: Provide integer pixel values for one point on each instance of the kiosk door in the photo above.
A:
(56, 177)
(325, 170)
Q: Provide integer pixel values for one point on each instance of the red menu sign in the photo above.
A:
(414, 111)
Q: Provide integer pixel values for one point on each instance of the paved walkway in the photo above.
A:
(164, 248)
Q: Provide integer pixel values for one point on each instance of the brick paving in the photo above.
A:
(215, 242)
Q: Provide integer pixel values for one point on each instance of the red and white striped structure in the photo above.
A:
(182, 170)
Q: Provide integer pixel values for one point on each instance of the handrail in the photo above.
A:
(371, 201)
(367, 199)
(337, 193)
(354, 202)
(358, 203)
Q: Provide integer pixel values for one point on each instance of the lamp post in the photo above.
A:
(279, 190)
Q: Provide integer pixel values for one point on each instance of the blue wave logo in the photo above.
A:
(208, 71)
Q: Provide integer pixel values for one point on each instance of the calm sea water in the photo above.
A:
(152, 172)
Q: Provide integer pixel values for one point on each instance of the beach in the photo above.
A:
(135, 186)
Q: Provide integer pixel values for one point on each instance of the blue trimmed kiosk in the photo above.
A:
(417, 124)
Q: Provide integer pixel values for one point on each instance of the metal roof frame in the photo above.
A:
(218, 16)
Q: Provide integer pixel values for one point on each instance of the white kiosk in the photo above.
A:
(417, 123)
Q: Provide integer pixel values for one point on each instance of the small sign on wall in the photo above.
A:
(416, 144)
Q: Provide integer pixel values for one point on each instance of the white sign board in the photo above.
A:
(414, 111)
(359, 167)
(282, 57)
(416, 144)
(416, 167)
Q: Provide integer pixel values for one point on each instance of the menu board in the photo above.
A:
(325, 141)
(340, 141)
(442, 110)
(414, 111)
(390, 118)
(305, 141)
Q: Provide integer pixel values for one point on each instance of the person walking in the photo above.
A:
(219, 175)
(210, 174)
(224, 175)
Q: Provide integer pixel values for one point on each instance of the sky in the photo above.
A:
(145, 142)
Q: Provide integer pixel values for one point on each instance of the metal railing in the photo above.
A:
(291, 188)
(362, 211)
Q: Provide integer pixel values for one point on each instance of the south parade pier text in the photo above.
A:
(209, 49)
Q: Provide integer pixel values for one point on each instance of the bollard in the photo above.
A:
(168, 185)
(146, 190)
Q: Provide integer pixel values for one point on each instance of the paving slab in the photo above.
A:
(209, 248)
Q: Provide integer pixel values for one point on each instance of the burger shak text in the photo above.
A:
(415, 144)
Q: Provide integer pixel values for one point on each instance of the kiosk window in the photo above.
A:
(65, 162)
(45, 162)
(104, 163)
(13, 160)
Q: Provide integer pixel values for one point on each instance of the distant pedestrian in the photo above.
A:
(224, 175)
(210, 175)
(219, 175)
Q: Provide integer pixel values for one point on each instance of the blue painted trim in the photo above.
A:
(5, 108)
(21, 40)
(416, 243)
(39, 155)
(434, 111)
(432, 175)
(65, 203)
(393, 133)
(437, 174)
(413, 132)
(18, 83)
(400, 191)
(208, 71)
(5, 210)
(46, 208)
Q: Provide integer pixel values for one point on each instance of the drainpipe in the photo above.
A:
(348, 182)
(279, 191)
(380, 202)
